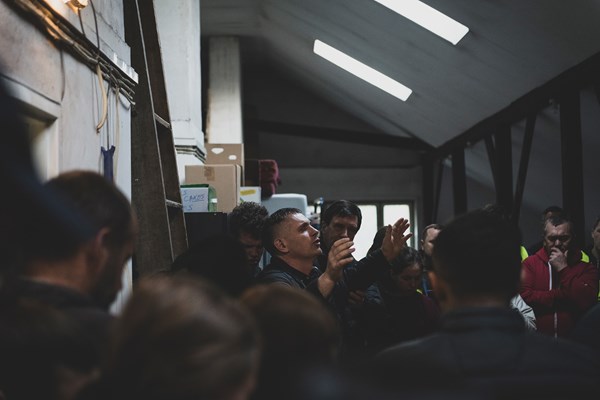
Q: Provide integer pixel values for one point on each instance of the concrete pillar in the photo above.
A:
(224, 122)
(178, 24)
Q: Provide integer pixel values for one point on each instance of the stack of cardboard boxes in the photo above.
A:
(225, 173)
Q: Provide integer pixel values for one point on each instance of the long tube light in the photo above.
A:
(361, 70)
(429, 18)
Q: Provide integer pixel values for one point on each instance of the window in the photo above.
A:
(44, 146)
(377, 215)
(368, 228)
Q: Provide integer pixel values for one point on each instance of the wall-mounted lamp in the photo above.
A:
(77, 3)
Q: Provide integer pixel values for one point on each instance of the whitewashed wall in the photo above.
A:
(63, 98)
(178, 24)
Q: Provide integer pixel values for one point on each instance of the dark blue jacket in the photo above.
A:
(488, 351)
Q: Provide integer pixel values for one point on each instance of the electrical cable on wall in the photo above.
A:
(59, 29)
(117, 129)
(108, 151)
(104, 113)
(54, 25)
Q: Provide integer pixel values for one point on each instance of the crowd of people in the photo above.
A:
(467, 315)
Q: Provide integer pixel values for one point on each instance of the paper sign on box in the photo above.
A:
(198, 198)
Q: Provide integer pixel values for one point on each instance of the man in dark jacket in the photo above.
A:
(340, 219)
(245, 225)
(483, 348)
(82, 277)
(295, 244)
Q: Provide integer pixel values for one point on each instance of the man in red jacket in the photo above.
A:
(556, 283)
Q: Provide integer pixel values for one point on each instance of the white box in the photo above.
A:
(284, 200)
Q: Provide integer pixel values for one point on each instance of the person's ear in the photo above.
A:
(281, 246)
(440, 289)
(97, 249)
(102, 237)
(433, 278)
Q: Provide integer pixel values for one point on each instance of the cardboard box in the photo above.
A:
(225, 154)
(198, 198)
(250, 193)
(224, 178)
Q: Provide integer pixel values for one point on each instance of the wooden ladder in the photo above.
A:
(156, 196)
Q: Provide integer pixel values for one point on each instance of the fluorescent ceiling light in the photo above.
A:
(429, 18)
(361, 70)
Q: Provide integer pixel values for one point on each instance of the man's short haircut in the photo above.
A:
(557, 220)
(499, 210)
(341, 208)
(553, 210)
(478, 254)
(98, 202)
(270, 227)
(248, 217)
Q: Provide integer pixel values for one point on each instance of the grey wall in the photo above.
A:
(319, 167)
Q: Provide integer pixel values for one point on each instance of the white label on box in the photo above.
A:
(250, 193)
(195, 199)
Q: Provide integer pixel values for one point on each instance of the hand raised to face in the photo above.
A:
(558, 259)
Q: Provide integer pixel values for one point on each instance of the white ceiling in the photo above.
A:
(513, 46)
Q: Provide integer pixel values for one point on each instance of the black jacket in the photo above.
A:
(278, 271)
(357, 275)
(387, 318)
(94, 320)
(487, 351)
